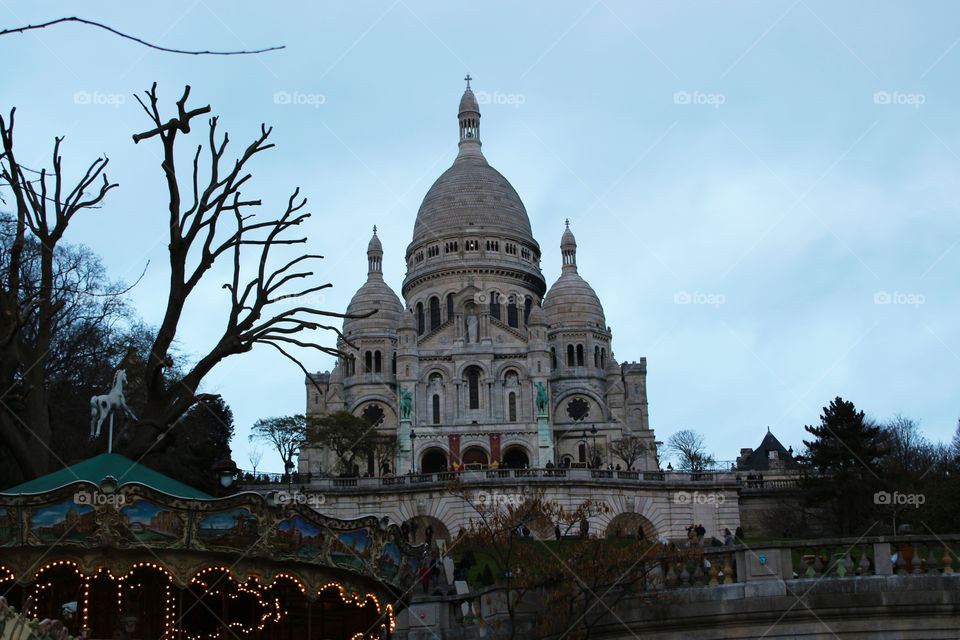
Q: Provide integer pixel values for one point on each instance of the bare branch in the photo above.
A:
(91, 23)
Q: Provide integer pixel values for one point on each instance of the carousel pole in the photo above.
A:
(110, 435)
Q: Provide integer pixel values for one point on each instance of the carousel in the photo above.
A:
(116, 550)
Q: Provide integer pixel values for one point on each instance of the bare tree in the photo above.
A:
(630, 449)
(255, 456)
(209, 221)
(690, 450)
(45, 206)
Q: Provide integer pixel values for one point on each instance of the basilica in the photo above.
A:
(481, 365)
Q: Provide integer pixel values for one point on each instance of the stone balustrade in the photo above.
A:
(858, 588)
(251, 481)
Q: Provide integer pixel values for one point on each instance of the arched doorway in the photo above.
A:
(630, 525)
(475, 455)
(516, 457)
(417, 526)
(433, 461)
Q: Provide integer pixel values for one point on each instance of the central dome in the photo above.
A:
(471, 194)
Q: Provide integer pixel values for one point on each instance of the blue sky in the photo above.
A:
(789, 165)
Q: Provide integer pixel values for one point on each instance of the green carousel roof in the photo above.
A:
(94, 470)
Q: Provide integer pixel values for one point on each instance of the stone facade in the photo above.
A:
(480, 364)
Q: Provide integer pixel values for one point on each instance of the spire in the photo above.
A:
(568, 249)
(469, 117)
(374, 255)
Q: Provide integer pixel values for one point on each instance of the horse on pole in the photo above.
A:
(107, 405)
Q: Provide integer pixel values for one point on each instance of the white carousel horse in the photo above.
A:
(106, 405)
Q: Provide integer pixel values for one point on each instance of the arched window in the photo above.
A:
(579, 355)
(527, 306)
(570, 357)
(473, 387)
(436, 408)
(603, 358)
(419, 318)
(596, 357)
(351, 365)
(512, 402)
(495, 305)
(434, 312)
(449, 306)
(553, 358)
(368, 362)
(582, 452)
(377, 365)
(512, 318)
(393, 363)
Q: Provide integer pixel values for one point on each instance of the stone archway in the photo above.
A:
(515, 457)
(433, 460)
(630, 524)
(418, 532)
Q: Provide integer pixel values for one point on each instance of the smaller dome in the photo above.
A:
(469, 102)
(571, 301)
(375, 295)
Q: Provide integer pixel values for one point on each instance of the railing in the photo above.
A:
(536, 475)
(827, 559)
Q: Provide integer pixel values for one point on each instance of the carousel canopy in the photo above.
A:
(96, 469)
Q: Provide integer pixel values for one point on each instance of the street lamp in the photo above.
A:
(413, 451)
(227, 472)
(596, 454)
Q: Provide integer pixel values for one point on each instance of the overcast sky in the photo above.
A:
(786, 168)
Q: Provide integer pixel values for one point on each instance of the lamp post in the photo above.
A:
(413, 451)
(227, 473)
(596, 454)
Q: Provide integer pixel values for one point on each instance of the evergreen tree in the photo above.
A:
(843, 464)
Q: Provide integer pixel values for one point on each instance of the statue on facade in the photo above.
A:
(107, 405)
(541, 399)
(406, 402)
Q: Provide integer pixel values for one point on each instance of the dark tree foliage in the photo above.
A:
(88, 333)
(844, 464)
(353, 439)
(200, 440)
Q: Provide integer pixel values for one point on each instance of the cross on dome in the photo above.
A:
(468, 79)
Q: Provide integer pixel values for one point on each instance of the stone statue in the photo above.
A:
(406, 402)
(541, 399)
(107, 405)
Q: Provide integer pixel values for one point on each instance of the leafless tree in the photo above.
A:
(45, 203)
(209, 221)
(255, 455)
(690, 450)
(630, 449)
